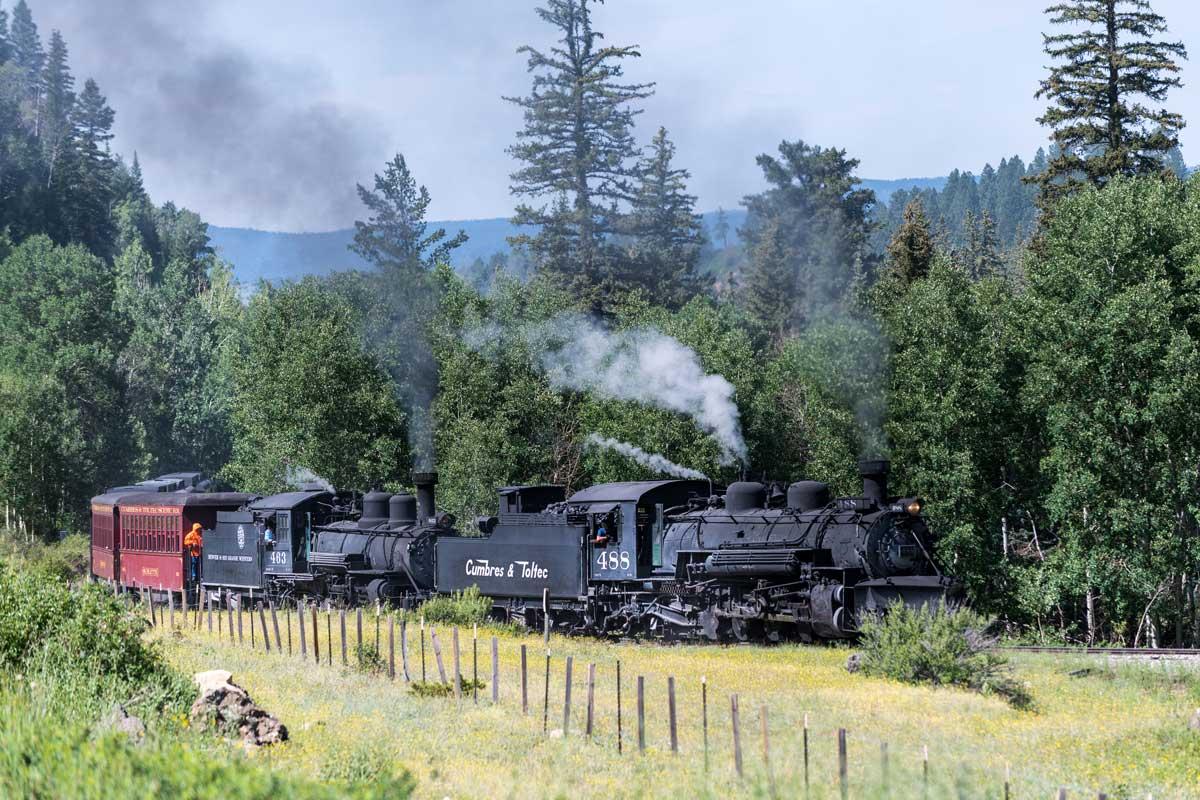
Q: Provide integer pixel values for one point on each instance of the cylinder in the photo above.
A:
(426, 499)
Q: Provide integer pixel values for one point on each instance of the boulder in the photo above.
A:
(228, 708)
(119, 721)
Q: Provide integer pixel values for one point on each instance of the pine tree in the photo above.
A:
(576, 143)
(911, 250)
(27, 54)
(92, 185)
(5, 44)
(769, 286)
(1102, 128)
(823, 217)
(721, 228)
(666, 229)
(980, 257)
(394, 237)
(58, 101)
(137, 187)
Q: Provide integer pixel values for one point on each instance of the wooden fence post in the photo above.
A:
(358, 618)
(404, 647)
(883, 766)
(546, 696)
(300, 625)
(378, 650)
(806, 754)
(187, 623)
(457, 670)
(275, 625)
(524, 682)
(391, 647)
(671, 713)
(437, 654)
(209, 605)
(619, 705)
(262, 618)
(287, 620)
(475, 664)
(329, 633)
(842, 766)
(342, 630)
(737, 734)
(591, 697)
(495, 671)
(704, 716)
(1008, 777)
(567, 697)
(641, 712)
(240, 640)
(422, 650)
(316, 639)
(1062, 793)
(171, 605)
(924, 770)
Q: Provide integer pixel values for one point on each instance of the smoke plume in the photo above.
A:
(297, 477)
(642, 364)
(652, 460)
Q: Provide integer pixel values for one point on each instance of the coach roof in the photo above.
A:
(186, 499)
(633, 491)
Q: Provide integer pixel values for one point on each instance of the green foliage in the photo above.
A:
(1097, 89)
(83, 647)
(943, 647)
(368, 659)
(65, 559)
(1113, 319)
(911, 250)
(306, 394)
(49, 754)
(815, 221)
(437, 689)
(467, 607)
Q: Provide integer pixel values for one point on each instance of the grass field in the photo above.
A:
(1122, 730)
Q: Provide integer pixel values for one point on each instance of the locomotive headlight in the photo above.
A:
(913, 507)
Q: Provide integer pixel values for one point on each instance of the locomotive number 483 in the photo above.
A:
(611, 559)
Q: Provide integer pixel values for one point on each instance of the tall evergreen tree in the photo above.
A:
(667, 231)
(27, 54)
(58, 102)
(721, 228)
(911, 250)
(981, 254)
(394, 236)
(92, 186)
(769, 287)
(576, 143)
(5, 44)
(823, 218)
(1101, 125)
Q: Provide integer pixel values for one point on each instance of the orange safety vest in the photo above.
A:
(193, 542)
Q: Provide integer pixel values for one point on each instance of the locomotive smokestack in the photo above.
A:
(426, 505)
(874, 474)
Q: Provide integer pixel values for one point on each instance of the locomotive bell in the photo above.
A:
(874, 473)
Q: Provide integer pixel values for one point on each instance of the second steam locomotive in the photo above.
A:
(673, 559)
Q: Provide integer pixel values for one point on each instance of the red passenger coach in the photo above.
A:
(151, 530)
(105, 527)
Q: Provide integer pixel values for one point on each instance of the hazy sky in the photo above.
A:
(264, 113)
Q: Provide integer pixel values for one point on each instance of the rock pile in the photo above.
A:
(228, 708)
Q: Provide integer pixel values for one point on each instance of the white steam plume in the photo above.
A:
(296, 477)
(642, 364)
(652, 460)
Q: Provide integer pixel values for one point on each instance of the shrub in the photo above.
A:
(939, 646)
(66, 558)
(367, 659)
(84, 645)
(436, 689)
(467, 607)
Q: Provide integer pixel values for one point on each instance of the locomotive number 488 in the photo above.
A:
(611, 559)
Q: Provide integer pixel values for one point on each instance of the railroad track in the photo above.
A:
(1153, 653)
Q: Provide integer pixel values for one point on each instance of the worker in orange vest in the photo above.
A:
(193, 542)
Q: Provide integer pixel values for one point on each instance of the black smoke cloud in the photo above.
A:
(216, 127)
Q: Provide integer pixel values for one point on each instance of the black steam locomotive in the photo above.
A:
(672, 558)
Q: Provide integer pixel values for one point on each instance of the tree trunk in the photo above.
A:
(1090, 600)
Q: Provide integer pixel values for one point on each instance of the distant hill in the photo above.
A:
(267, 255)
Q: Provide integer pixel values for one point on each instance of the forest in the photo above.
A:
(1024, 344)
